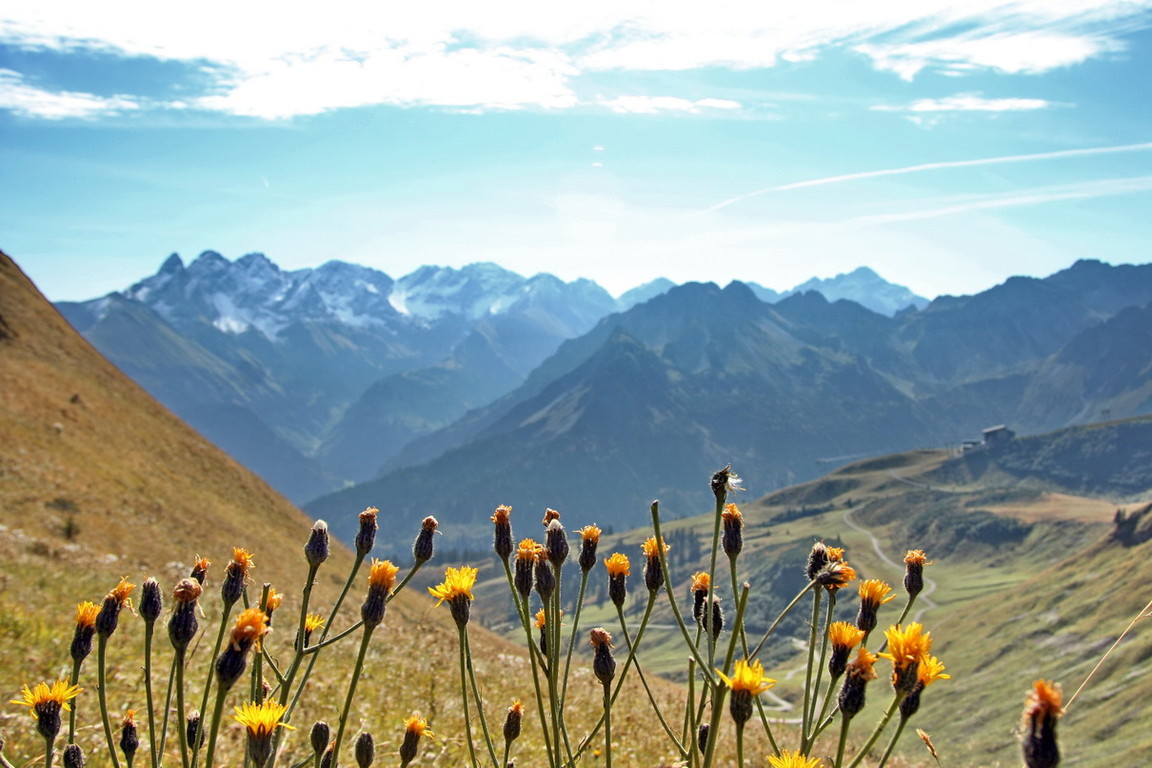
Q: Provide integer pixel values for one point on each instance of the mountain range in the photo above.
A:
(315, 378)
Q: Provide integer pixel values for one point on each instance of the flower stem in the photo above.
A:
(75, 679)
(464, 697)
(648, 690)
(149, 627)
(879, 729)
(178, 665)
(809, 738)
(783, 613)
(48, 742)
(808, 694)
(845, 721)
(477, 699)
(102, 680)
(214, 729)
(607, 725)
(356, 670)
(208, 683)
(572, 636)
(892, 743)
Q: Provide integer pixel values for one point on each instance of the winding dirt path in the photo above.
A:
(929, 585)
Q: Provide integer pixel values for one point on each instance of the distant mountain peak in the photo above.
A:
(172, 265)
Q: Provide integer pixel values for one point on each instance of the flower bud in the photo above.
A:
(365, 750)
(556, 543)
(366, 535)
(502, 536)
(422, 548)
(151, 602)
(73, 756)
(318, 547)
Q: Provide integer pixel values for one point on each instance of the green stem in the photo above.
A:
(49, 741)
(537, 661)
(214, 729)
(739, 745)
(152, 743)
(356, 670)
(572, 636)
(464, 698)
(808, 694)
(825, 719)
(607, 725)
(101, 676)
(813, 721)
(845, 721)
(720, 499)
(75, 680)
(879, 729)
(476, 698)
(892, 743)
(167, 709)
(783, 613)
(211, 669)
(720, 690)
(651, 698)
(178, 666)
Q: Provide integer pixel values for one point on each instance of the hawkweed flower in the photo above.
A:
(844, 637)
(701, 585)
(653, 573)
(541, 624)
(907, 646)
(73, 756)
(381, 579)
(589, 540)
(182, 625)
(929, 671)
(366, 534)
(249, 629)
(129, 737)
(151, 602)
(835, 575)
(502, 534)
(1042, 708)
(365, 750)
(46, 702)
(260, 721)
(414, 728)
(550, 515)
(527, 553)
(312, 622)
(457, 590)
(794, 759)
(545, 578)
(556, 543)
(422, 548)
(603, 665)
(512, 723)
(200, 569)
(857, 675)
(725, 481)
(319, 546)
(319, 737)
(914, 563)
(732, 539)
(236, 576)
(109, 616)
(618, 569)
(86, 613)
(873, 594)
(747, 681)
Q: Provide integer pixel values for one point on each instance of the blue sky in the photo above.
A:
(948, 145)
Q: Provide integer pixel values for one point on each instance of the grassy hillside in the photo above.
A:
(99, 482)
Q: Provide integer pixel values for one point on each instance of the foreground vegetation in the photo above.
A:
(250, 687)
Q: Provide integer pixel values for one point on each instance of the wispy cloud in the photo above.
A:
(969, 102)
(277, 61)
(924, 167)
(27, 100)
(650, 105)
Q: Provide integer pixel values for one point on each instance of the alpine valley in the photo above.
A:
(450, 391)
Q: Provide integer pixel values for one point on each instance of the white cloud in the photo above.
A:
(650, 105)
(276, 60)
(969, 102)
(29, 101)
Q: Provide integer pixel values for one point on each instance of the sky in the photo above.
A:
(947, 145)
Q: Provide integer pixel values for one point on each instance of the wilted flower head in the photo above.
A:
(857, 675)
(732, 540)
(414, 727)
(109, 615)
(873, 594)
(1042, 708)
(502, 535)
(527, 553)
(512, 722)
(183, 624)
(129, 736)
(272, 602)
(556, 542)
(457, 590)
(603, 664)
(549, 516)
(835, 575)
(422, 548)
(318, 548)
(250, 627)
(914, 563)
(236, 575)
(589, 539)
(45, 703)
(817, 559)
(200, 569)
(725, 481)
(151, 601)
(366, 534)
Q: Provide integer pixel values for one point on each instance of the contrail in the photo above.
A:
(933, 167)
